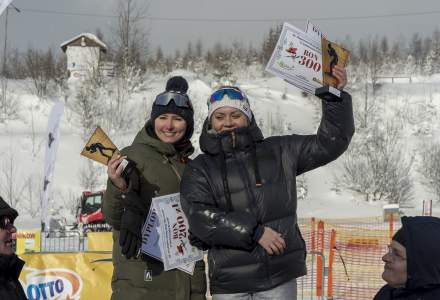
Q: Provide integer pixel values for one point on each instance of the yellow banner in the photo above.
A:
(71, 276)
(28, 241)
(99, 241)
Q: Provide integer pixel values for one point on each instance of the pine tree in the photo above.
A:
(395, 58)
(269, 43)
(411, 66)
(199, 66)
(178, 60)
(188, 57)
(429, 65)
(416, 52)
(159, 61)
(435, 52)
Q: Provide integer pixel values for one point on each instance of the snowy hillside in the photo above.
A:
(275, 104)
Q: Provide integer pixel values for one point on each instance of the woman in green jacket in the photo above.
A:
(160, 151)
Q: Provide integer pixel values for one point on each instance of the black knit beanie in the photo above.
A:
(399, 237)
(6, 210)
(180, 85)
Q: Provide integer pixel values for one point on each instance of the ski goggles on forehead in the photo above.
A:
(232, 93)
(181, 100)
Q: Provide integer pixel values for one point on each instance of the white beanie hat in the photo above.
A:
(226, 101)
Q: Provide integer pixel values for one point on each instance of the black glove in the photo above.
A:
(128, 171)
(133, 218)
(198, 243)
(130, 237)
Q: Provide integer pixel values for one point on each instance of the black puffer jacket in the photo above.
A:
(227, 207)
(10, 287)
(422, 239)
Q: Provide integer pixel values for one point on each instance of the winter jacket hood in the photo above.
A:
(423, 261)
(422, 251)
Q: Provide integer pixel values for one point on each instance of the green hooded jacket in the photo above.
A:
(162, 167)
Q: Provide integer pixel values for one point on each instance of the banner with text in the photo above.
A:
(28, 241)
(50, 276)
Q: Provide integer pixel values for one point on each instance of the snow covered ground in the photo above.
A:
(22, 142)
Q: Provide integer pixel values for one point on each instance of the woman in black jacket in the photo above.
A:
(412, 264)
(240, 195)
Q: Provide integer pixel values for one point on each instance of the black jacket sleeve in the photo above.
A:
(209, 223)
(332, 139)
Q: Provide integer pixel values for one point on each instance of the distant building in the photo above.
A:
(83, 54)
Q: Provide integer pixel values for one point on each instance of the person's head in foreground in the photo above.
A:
(412, 263)
(10, 264)
(7, 228)
(228, 109)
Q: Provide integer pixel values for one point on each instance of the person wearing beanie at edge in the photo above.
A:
(10, 264)
(412, 263)
(160, 151)
(240, 195)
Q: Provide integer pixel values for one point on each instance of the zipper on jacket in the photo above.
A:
(234, 139)
(173, 168)
(245, 177)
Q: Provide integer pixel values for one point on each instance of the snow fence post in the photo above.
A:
(330, 264)
(319, 264)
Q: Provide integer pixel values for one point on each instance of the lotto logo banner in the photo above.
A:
(71, 276)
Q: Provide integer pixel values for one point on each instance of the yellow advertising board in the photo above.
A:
(99, 241)
(28, 241)
(70, 276)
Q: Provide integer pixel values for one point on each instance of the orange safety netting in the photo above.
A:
(352, 261)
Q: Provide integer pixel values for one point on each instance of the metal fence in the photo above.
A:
(63, 241)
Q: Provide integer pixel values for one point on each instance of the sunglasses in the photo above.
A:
(232, 93)
(5, 222)
(181, 100)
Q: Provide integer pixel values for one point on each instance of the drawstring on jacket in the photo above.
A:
(258, 182)
(224, 171)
